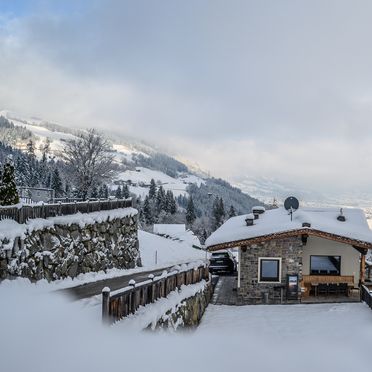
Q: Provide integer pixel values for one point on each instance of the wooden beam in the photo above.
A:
(362, 268)
(362, 251)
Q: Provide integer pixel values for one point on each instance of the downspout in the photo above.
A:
(239, 260)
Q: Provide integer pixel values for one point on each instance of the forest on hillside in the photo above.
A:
(72, 175)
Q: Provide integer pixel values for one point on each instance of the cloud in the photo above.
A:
(241, 88)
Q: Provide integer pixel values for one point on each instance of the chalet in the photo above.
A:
(310, 255)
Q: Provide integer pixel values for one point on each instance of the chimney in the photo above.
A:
(258, 209)
(249, 219)
(341, 216)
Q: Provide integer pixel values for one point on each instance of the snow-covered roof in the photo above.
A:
(169, 228)
(177, 231)
(274, 222)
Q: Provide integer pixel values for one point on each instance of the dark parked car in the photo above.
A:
(222, 262)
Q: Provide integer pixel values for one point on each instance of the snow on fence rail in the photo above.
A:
(21, 213)
(122, 302)
(367, 296)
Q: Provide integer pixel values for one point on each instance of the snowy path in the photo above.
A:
(95, 288)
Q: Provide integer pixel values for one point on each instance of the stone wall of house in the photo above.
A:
(188, 313)
(67, 250)
(253, 292)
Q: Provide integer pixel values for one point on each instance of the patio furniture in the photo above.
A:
(332, 289)
(322, 289)
(343, 289)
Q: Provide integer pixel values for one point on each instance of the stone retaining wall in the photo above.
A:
(67, 250)
(188, 313)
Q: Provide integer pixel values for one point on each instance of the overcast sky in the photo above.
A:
(244, 88)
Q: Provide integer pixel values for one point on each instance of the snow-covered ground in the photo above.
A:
(177, 231)
(158, 250)
(142, 176)
(46, 332)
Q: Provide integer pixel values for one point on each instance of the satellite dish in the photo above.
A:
(291, 204)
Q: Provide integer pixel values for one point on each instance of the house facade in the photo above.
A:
(314, 255)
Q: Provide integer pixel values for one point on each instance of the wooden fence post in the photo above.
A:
(152, 295)
(106, 305)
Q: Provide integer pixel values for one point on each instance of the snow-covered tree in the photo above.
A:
(118, 193)
(103, 192)
(94, 192)
(89, 159)
(152, 191)
(22, 171)
(56, 183)
(218, 212)
(30, 148)
(160, 200)
(147, 211)
(232, 212)
(125, 191)
(190, 212)
(170, 202)
(8, 190)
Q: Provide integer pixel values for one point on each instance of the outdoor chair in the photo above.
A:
(343, 289)
(333, 289)
(323, 289)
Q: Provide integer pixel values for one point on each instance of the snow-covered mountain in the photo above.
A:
(126, 150)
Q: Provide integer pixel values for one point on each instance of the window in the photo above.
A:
(325, 265)
(269, 269)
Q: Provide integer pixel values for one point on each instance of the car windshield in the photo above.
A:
(220, 255)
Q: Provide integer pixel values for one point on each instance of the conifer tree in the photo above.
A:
(30, 148)
(152, 191)
(118, 193)
(94, 192)
(218, 212)
(147, 212)
(190, 212)
(125, 191)
(22, 171)
(8, 189)
(232, 212)
(56, 183)
(160, 200)
(68, 189)
(48, 181)
(171, 205)
(105, 191)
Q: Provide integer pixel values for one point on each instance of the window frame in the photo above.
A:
(325, 255)
(277, 259)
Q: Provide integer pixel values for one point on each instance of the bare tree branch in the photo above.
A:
(89, 159)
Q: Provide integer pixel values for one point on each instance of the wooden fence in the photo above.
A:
(22, 213)
(367, 296)
(119, 304)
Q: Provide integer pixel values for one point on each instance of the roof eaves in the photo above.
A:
(291, 233)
